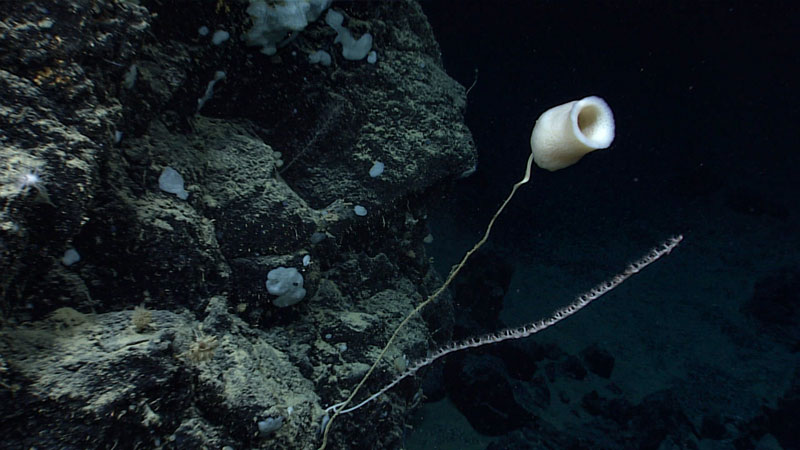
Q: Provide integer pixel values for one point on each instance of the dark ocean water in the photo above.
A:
(706, 105)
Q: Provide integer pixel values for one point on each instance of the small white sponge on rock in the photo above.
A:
(352, 49)
(287, 284)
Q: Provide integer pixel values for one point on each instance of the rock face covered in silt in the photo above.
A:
(164, 332)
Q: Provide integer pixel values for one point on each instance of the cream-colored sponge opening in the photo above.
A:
(593, 122)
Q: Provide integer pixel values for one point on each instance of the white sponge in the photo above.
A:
(287, 284)
(274, 20)
(564, 133)
(352, 48)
